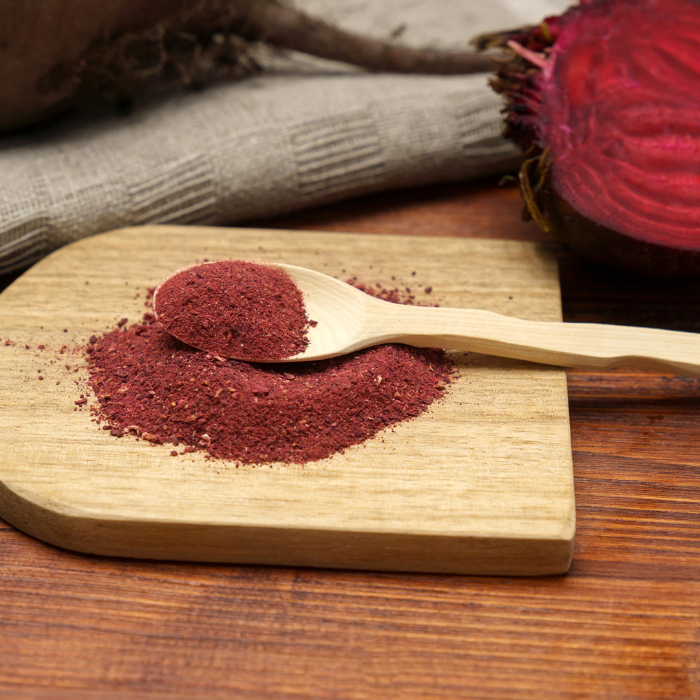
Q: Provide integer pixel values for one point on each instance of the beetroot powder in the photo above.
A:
(152, 385)
(236, 309)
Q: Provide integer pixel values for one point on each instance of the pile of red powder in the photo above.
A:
(151, 385)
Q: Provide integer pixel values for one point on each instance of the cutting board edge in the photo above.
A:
(279, 546)
(271, 545)
(192, 230)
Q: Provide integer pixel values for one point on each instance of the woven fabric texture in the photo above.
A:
(304, 133)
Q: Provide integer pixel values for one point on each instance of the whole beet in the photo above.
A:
(54, 52)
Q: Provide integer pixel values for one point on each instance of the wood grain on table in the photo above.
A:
(624, 623)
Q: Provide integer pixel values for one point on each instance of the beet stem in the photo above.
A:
(288, 28)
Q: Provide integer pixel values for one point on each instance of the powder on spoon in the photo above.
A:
(236, 309)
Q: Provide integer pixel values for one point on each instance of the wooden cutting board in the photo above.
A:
(481, 484)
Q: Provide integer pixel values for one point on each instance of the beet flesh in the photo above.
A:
(608, 94)
(557, 217)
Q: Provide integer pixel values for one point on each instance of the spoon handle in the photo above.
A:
(584, 345)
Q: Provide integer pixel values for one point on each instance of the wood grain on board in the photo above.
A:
(481, 483)
(623, 624)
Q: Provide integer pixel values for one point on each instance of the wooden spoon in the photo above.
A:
(348, 320)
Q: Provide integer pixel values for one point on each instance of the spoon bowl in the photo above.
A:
(339, 311)
(346, 319)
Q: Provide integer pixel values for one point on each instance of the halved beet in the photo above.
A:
(607, 99)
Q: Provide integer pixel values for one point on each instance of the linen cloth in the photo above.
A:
(306, 131)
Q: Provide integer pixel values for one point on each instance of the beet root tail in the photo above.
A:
(288, 28)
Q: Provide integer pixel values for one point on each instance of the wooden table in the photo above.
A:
(624, 623)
